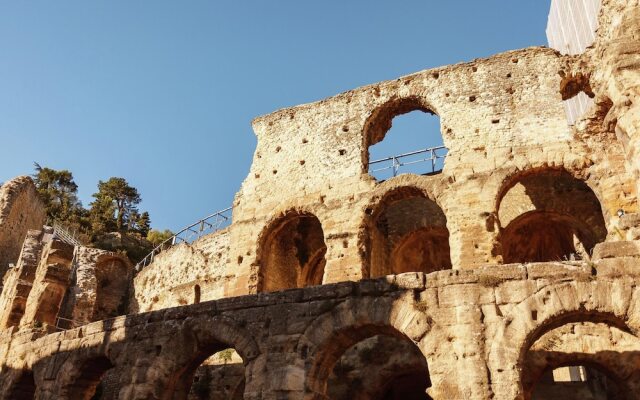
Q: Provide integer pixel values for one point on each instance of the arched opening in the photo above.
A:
(216, 374)
(24, 388)
(196, 294)
(576, 382)
(371, 364)
(112, 279)
(407, 232)
(403, 136)
(89, 384)
(549, 215)
(292, 253)
(581, 360)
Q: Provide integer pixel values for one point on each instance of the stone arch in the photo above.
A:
(81, 374)
(609, 302)
(22, 388)
(291, 252)
(582, 360)
(404, 230)
(197, 340)
(547, 214)
(353, 321)
(379, 122)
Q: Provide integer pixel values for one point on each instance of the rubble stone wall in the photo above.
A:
(20, 210)
(172, 277)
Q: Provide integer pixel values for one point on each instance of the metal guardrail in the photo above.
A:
(206, 225)
(63, 324)
(222, 218)
(394, 163)
(63, 234)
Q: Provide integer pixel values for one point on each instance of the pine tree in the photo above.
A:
(115, 196)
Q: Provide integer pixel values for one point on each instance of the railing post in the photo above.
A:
(395, 166)
(433, 160)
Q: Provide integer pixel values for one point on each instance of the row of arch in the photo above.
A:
(541, 215)
(373, 353)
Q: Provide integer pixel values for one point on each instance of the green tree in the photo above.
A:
(143, 224)
(115, 196)
(59, 192)
(156, 237)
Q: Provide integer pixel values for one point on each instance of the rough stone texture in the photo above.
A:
(50, 284)
(100, 287)
(20, 210)
(291, 342)
(19, 280)
(519, 269)
(172, 277)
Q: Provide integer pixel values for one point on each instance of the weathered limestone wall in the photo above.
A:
(615, 65)
(503, 121)
(19, 281)
(171, 279)
(50, 284)
(100, 286)
(20, 210)
(480, 332)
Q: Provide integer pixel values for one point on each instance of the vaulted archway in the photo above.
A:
(406, 232)
(548, 215)
(292, 253)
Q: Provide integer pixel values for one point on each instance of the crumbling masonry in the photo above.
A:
(514, 273)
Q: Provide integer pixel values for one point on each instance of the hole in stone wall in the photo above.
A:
(196, 294)
(399, 128)
(342, 152)
(571, 85)
(292, 251)
(407, 233)
(472, 98)
(549, 215)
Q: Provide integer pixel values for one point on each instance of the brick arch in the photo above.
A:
(194, 341)
(552, 306)
(280, 265)
(429, 238)
(354, 320)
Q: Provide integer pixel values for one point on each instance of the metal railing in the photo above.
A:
(430, 155)
(63, 234)
(222, 218)
(206, 225)
(63, 324)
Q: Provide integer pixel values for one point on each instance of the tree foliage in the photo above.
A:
(156, 237)
(114, 209)
(59, 192)
(116, 195)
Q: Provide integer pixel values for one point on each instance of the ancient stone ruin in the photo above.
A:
(513, 272)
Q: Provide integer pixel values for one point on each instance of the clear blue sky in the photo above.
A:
(162, 93)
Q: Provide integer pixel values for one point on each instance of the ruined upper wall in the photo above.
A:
(511, 99)
(20, 210)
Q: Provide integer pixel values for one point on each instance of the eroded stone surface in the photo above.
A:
(519, 259)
